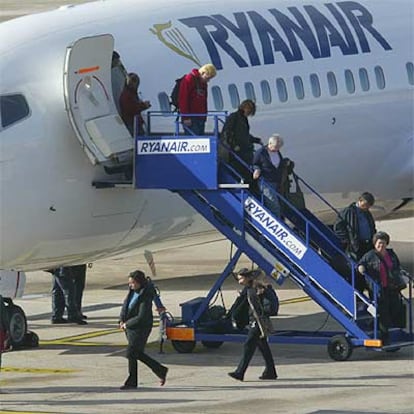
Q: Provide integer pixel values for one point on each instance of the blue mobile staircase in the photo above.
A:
(304, 248)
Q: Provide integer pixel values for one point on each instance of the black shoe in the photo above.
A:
(163, 376)
(268, 377)
(84, 316)
(59, 321)
(127, 387)
(236, 376)
(79, 321)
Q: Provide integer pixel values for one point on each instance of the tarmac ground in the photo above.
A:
(78, 369)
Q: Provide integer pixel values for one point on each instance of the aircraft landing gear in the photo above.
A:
(19, 336)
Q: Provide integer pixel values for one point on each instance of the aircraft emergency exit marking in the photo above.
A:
(346, 25)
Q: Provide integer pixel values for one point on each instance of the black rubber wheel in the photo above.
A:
(17, 326)
(212, 344)
(339, 348)
(183, 347)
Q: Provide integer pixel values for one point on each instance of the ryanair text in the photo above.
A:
(173, 146)
(272, 227)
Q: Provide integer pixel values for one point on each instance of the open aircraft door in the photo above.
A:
(89, 100)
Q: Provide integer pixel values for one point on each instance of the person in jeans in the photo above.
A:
(64, 296)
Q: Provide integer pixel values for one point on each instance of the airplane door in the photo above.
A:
(89, 100)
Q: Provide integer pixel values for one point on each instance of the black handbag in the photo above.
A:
(297, 199)
(396, 279)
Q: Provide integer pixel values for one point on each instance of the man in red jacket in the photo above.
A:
(192, 98)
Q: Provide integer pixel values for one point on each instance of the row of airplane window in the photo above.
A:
(13, 108)
(281, 87)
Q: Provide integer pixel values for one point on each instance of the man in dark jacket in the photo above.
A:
(355, 228)
(136, 320)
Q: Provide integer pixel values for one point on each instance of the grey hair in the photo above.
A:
(276, 139)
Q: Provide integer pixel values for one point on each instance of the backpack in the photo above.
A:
(175, 92)
(271, 301)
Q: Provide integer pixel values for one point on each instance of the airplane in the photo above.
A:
(335, 78)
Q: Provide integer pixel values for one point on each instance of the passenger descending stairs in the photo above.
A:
(266, 239)
(298, 241)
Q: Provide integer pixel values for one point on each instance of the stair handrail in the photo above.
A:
(336, 211)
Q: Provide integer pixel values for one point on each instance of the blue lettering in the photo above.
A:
(250, 206)
(260, 216)
(350, 41)
(274, 228)
(258, 210)
(327, 34)
(282, 235)
(270, 37)
(242, 32)
(268, 221)
(220, 37)
(364, 20)
(302, 30)
(144, 147)
(348, 20)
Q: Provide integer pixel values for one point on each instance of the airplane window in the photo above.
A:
(249, 88)
(379, 77)
(349, 81)
(281, 90)
(297, 82)
(363, 78)
(13, 108)
(234, 96)
(315, 85)
(332, 85)
(266, 94)
(410, 72)
(164, 102)
(217, 98)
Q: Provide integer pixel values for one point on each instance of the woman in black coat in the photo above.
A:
(259, 310)
(136, 320)
(380, 263)
(236, 134)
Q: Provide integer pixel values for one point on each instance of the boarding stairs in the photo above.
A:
(297, 242)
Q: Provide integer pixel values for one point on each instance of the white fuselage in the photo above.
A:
(342, 144)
